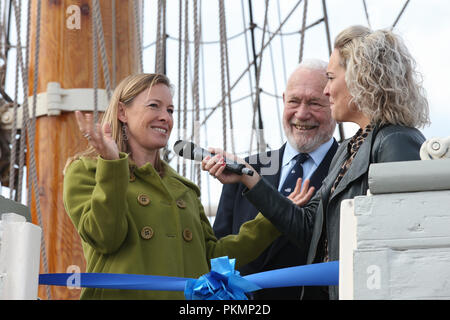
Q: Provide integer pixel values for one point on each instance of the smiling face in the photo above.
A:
(149, 119)
(307, 118)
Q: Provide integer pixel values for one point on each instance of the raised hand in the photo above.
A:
(99, 138)
(301, 195)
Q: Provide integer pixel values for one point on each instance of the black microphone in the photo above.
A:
(191, 151)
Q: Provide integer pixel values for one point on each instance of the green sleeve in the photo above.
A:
(253, 238)
(95, 198)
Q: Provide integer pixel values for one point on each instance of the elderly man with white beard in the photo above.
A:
(306, 155)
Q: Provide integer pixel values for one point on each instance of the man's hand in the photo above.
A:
(301, 195)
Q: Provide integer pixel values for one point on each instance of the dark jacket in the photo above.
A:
(234, 210)
(304, 225)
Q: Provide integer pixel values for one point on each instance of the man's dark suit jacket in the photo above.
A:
(234, 210)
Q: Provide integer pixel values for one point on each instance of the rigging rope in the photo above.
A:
(24, 69)
(260, 133)
(13, 139)
(138, 28)
(237, 35)
(277, 101)
(302, 38)
(195, 89)
(113, 44)
(203, 42)
(158, 54)
(99, 31)
(283, 56)
(205, 128)
(400, 15)
(180, 31)
(223, 71)
(248, 54)
(95, 63)
(185, 75)
(227, 68)
(367, 13)
(159, 38)
(295, 32)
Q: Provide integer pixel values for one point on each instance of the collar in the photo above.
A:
(316, 155)
(358, 138)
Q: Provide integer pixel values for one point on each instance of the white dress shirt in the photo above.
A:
(309, 166)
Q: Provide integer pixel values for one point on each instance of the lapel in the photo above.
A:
(322, 170)
(359, 165)
(179, 185)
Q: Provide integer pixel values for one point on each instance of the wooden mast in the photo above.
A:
(65, 56)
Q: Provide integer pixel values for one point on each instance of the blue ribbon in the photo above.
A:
(320, 274)
(223, 282)
(115, 281)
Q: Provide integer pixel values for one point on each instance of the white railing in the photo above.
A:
(20, 243)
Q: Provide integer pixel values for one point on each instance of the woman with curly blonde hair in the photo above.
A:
(380, 75)
(372, 82)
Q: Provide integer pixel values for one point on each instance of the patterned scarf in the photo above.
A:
(352, 149)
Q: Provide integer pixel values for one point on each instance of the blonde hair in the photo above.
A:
(125, 92)
(381, 76)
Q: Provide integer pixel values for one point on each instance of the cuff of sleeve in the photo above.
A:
(262, 196)
(259, 188)
(117, 170)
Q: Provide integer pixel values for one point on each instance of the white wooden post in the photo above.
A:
(395, 242)
(20, 243)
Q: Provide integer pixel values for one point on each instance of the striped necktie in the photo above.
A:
(295, 173)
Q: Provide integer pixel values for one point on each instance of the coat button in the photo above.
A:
(147, 233)
(143, 199)
(181, 204)
(187, 235)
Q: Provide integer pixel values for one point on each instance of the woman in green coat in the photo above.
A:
(134, 213)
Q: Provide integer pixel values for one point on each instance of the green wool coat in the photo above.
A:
(132, 221)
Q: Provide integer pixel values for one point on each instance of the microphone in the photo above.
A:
(190, 150)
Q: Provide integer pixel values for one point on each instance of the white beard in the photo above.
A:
(307, 144)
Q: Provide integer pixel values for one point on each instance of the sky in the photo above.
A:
(424, 26)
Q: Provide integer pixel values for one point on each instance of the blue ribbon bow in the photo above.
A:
(222, 283)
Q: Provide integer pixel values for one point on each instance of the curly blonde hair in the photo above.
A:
(381, 76)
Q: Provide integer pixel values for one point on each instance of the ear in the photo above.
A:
(121, 112)
(284, 101)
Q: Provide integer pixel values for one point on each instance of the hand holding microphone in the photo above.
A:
(218, 163)
(190, 150)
